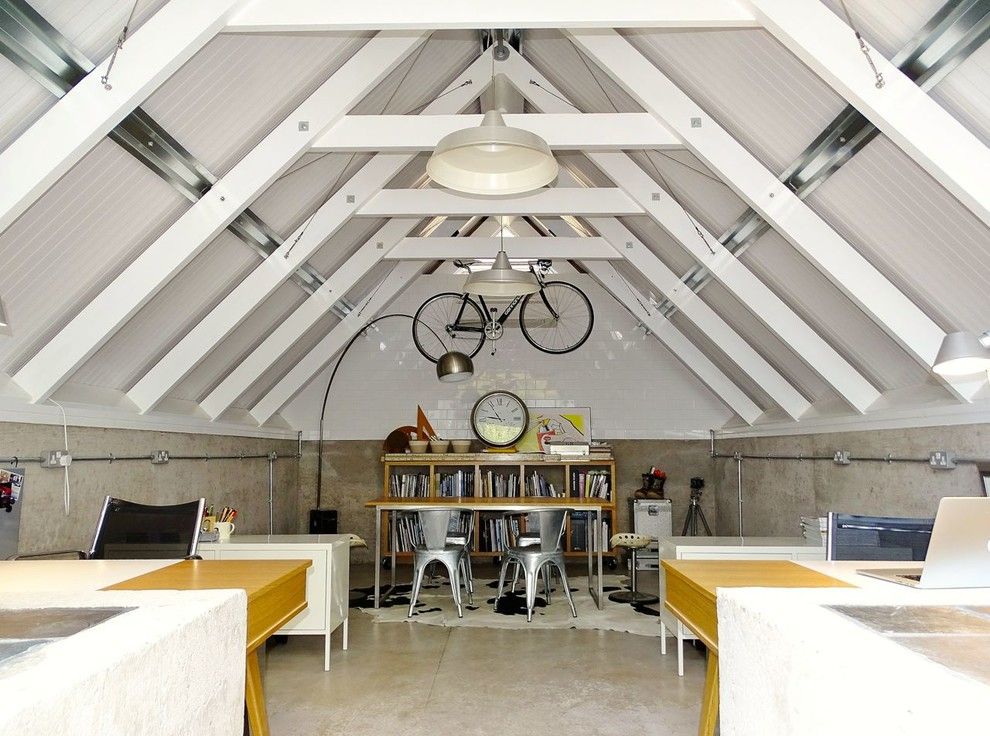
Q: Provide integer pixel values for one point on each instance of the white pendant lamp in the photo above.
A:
(502, 279)
(963, 353)
(492, 159)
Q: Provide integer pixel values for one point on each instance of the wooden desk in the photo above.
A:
(523, 505)
(691, 597)
(276, 591)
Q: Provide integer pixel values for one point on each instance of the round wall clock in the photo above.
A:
(499, 419)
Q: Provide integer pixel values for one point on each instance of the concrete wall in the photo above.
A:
(242, 484)
(777, 493)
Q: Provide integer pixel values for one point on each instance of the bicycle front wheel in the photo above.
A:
(448, 322)
(557, 319)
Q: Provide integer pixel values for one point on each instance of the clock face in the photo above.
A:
(499, 418)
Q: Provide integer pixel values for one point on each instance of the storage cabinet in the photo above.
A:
(530, 477)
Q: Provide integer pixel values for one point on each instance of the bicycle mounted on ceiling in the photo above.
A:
(557, 319)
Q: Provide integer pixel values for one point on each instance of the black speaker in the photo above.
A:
(323, 521)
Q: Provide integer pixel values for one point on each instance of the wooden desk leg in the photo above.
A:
(709, 701)
(254, 697)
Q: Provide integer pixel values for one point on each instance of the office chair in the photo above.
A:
(877, 538)
(135, 531)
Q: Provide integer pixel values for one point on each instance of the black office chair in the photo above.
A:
(877, 538)
(136, 531)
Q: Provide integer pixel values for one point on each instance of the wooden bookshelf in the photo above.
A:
(561, 471)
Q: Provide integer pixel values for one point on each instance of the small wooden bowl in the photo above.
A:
(418, 446)
(461, 445)
(439, 446)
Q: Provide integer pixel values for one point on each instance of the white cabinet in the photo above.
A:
(327, 580)
(796, 549)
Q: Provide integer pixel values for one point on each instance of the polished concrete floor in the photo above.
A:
(414, 680)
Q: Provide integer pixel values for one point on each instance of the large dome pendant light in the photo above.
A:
(493, 159)
(502, 280)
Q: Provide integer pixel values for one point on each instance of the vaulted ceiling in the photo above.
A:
(192, 240)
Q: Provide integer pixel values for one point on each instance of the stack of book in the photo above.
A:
(538, 486)
(458, 484)
(409, 485)
(590, 484)
(408, 532)
(499, 485)
(497, 533)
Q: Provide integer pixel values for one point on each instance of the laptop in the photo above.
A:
(959, 551)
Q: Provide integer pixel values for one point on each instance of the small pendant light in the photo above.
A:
(502, 279)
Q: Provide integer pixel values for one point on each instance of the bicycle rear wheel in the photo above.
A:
(448, 322)
(566, 331)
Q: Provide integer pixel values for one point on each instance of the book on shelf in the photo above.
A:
(456, 484)
(498, 533)
(407, 533)
(591, 484)
(499, 484)
(409, 485)
(540, 487)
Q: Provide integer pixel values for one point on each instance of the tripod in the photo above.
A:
(694, 513)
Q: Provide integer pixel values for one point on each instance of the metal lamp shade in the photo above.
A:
(962, 353)
(492, 159)
(454, 367)
(502, 280)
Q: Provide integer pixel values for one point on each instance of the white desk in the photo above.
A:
(796, 549)
(788, 664)
(327, 580)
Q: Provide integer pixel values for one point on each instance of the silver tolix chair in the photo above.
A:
(435, 548)
(532, 558)
(461, 531)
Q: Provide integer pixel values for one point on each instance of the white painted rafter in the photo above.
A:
(302, 244)
(903, 320)
(777, 315)
(679, 345)
(568, 131)
(196, 228)
(905, 113)
(523, 248)
(546, 202)
(308, 16)
(306, 316)
(81, 119)
(323, 353)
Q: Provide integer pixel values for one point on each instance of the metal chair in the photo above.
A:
(461, 531)
(879, 538)
(136, 531)
(528, 538)
(434, 524)
(534, 558)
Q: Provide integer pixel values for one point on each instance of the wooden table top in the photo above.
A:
(707, 575)
(255, 577)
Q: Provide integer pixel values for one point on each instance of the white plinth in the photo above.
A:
(790, 666)
(172, 667)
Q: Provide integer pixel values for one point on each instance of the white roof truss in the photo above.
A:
(521, 248)
(573, 131)
(546, 202)
(923, 129)
(307, 16)
(84, 116)
(99, 319)
(791, 217)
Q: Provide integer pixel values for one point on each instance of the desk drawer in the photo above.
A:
(314, 618)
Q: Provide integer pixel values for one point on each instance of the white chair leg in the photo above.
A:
(663, 637)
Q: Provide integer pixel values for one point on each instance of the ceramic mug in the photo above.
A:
(225, 528)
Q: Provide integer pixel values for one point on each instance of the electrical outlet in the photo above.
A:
(841, 457)
(159, 457)
(942, 460)
(56, 459)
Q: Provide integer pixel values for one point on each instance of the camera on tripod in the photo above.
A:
(695, 514)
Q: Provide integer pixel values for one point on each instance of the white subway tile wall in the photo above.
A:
(636, 389)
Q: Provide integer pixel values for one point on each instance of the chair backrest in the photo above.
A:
(551, 525)
(879, 538)
(434, 524)
(135, 531)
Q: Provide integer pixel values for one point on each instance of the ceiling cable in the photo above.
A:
(105, 79)
(309, 220)
(862, 46)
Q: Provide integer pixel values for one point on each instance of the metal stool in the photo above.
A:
(633, 543)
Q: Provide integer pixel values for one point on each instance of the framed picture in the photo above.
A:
(556, 423)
